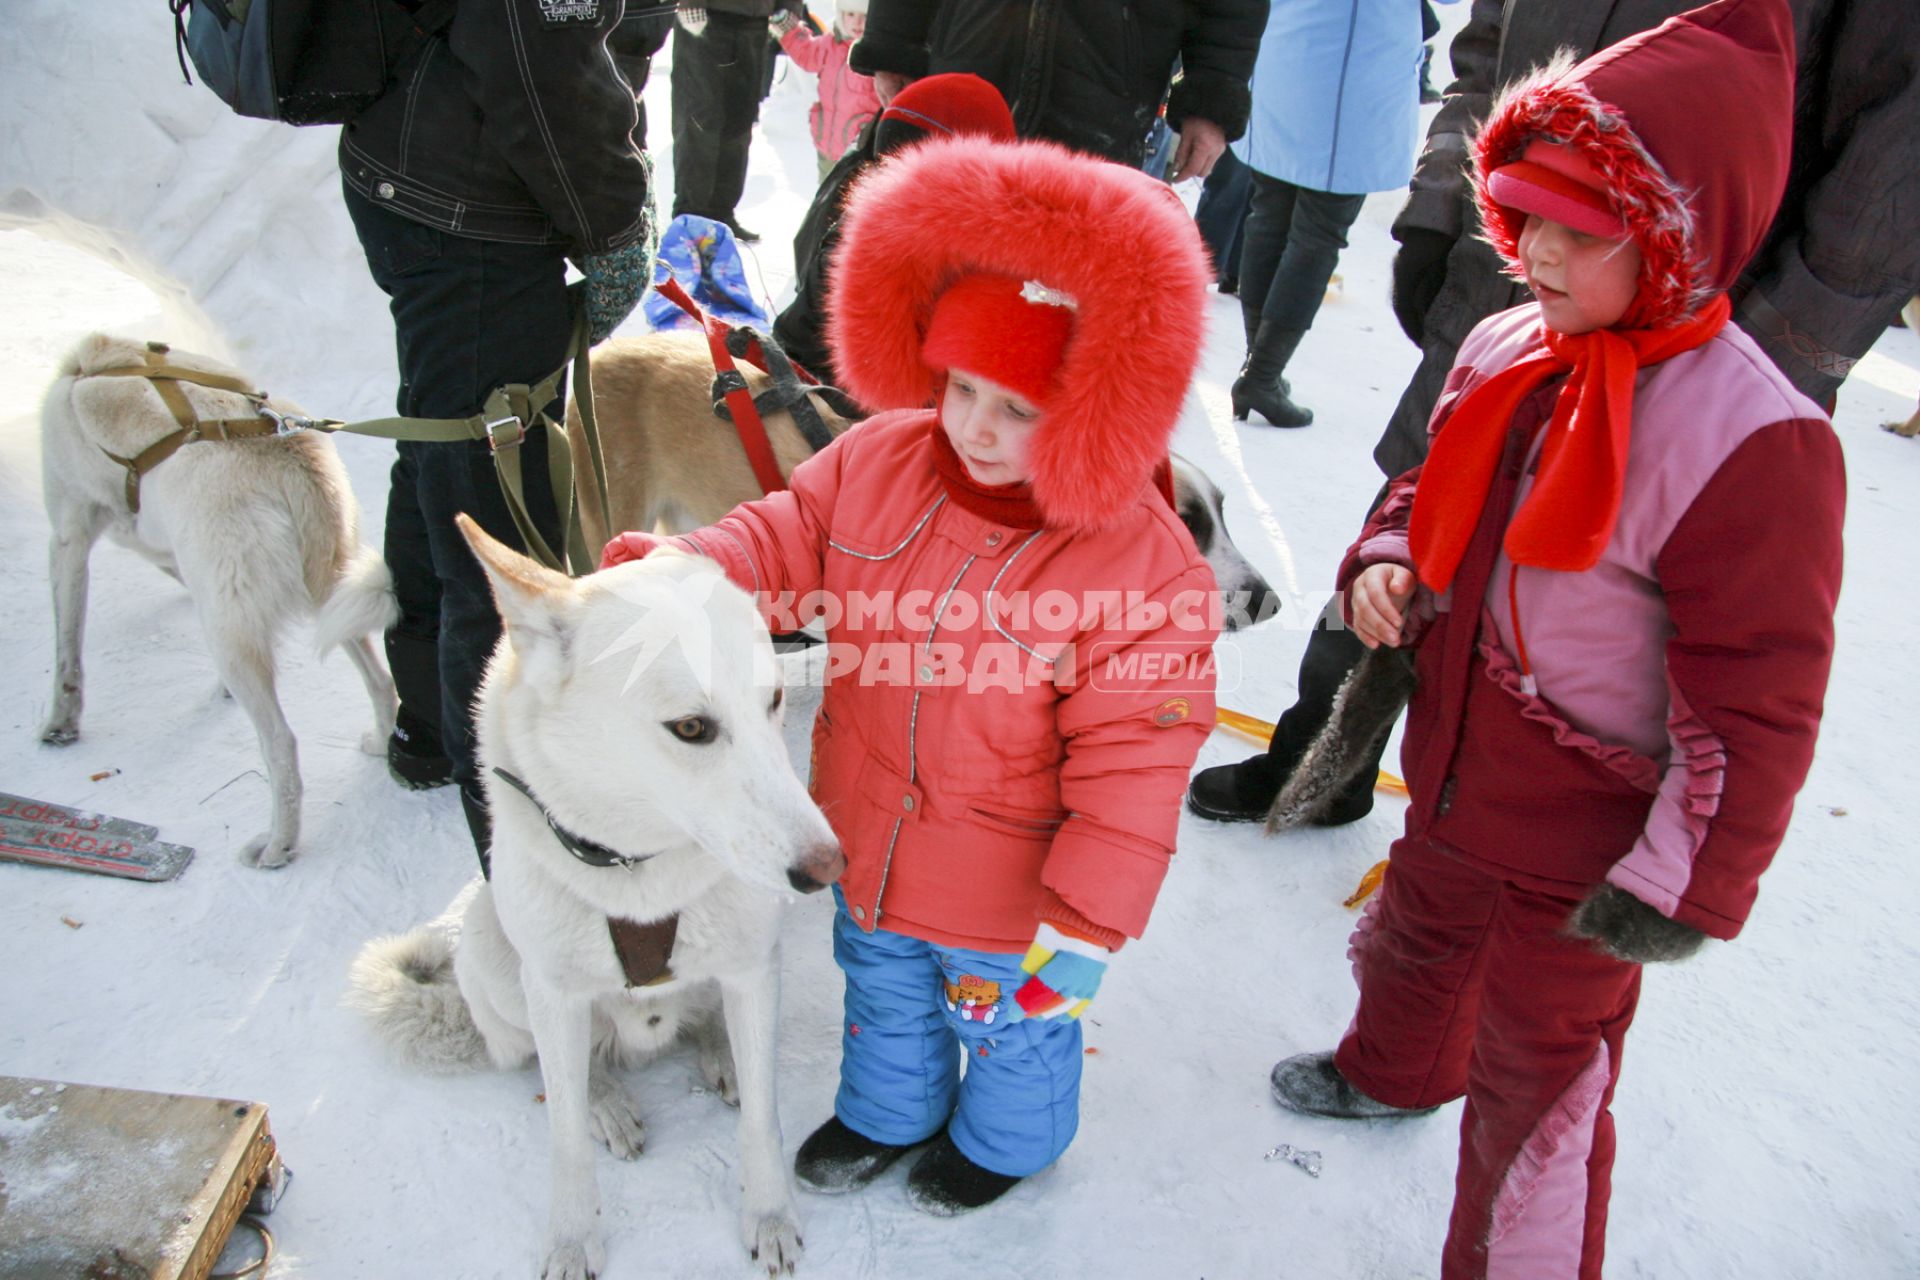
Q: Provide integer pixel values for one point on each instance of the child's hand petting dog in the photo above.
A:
(631, 545)
(1377, 603)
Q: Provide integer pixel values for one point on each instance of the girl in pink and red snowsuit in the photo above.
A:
(847, 99)
(1619, 564)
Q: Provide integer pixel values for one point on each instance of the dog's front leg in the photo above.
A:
(768, 1223)
(563, 1036)
(74, 533)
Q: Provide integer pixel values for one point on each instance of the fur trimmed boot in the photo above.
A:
(1260, 388)
(945, 1183)
(1311, 1084)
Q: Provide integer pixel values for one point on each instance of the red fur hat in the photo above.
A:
(1117, 243)
(1685, 133)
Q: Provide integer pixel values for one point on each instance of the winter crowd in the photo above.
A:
(1641, 247)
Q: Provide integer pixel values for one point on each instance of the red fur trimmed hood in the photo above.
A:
(1119, 242)
(1691, 126)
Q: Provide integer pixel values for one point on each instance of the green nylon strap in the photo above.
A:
(503, 422)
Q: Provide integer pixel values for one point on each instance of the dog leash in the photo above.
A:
(733, 401)
(643, 949)
(509, 413)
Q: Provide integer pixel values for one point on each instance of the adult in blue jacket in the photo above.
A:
(1336, 114)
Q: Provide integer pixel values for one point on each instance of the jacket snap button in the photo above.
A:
(906, 802)
(926, 674)
(993, 539)
(859, 913)
(384, 191)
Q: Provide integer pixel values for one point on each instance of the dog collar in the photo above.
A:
(594, 855)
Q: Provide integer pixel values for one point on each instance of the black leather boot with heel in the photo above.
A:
(1260, 388)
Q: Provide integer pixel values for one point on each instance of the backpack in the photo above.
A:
(302, 61)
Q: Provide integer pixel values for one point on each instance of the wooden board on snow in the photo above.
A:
(112, 1184)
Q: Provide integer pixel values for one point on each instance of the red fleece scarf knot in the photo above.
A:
(1568, 517)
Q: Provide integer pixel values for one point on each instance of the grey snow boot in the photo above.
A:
(1311, 1084)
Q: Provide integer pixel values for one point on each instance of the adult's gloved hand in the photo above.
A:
(615, 281)
(1628, 929)
(1065, 971)
(632, 545)
(1419, 269)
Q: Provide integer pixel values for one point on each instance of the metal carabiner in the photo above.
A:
(286, 424)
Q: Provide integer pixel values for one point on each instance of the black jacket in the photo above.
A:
(513, 124)
(1089, 73)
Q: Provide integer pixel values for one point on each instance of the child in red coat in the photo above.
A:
(1018, 631)
(1619, 564)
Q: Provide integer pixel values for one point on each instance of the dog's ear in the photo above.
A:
(536, 603)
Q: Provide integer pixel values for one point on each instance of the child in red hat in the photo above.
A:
(1619, 564)
(1019, 632)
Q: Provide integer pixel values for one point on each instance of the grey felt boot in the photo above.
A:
(1310, 1083)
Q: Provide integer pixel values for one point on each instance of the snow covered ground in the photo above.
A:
(1764, 1130)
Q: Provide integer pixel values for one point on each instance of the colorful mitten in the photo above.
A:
(1066, 970)
(615, 281)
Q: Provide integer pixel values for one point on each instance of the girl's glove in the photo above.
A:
(1066, 970)
(694, 19)
(1628, 929)
(632, 545)
(782, 22)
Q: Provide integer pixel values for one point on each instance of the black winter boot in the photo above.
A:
(1310, 1083)
(945, 1183)
(415, 757)
(1260, 388)
(835, 1158)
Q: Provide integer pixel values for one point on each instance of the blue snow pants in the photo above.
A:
(914, 1009)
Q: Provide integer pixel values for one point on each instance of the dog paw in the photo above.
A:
(60, 735)
(774, 1241)
(614, 1122)
(374, 744)
(266, 853)
(716, 1068)
(573, 1260)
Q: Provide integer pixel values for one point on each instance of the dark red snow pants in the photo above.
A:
(1469, 986)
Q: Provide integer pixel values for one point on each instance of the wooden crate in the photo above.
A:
(110, 1184)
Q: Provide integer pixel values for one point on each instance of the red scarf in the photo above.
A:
(1008, 504)
(1568, 517)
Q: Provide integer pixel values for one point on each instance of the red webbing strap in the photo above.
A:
(746, 419)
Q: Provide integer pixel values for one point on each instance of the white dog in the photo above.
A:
(258, 531)
(629, 733)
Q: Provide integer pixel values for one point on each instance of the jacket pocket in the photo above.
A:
(1024, 824)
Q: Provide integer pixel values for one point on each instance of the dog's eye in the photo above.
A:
(693, 729)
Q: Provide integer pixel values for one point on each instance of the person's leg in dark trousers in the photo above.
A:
(716, 98)
(469, 316)
(1221, 214)
(1294, 236)
(1244, 792)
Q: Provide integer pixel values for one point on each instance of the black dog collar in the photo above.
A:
(594, 855)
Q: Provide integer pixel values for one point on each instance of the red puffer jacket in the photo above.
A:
(1012, 713)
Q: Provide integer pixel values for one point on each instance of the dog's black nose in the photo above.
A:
(819, 867)
(1253, 604)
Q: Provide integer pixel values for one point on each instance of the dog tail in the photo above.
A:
(1363, 714)
(405, 986)
(361, 602)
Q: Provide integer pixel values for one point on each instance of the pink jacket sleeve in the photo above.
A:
(808, 51)
(1751, 574)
